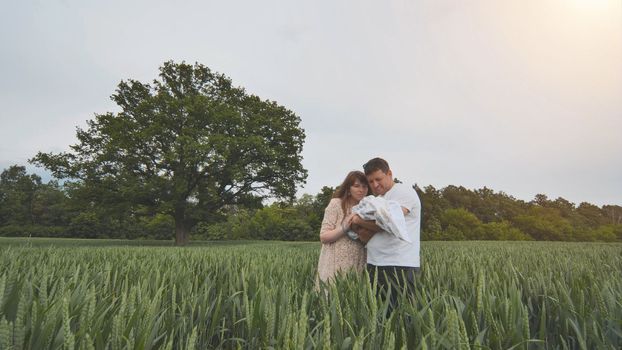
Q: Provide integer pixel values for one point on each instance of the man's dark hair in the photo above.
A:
(376, 164)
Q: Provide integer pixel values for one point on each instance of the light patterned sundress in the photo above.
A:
(342, 255)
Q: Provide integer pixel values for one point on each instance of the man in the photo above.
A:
(393, 260)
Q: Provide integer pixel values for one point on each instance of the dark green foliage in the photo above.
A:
(29, 207)
(502, 231)
(462, 223)
(17, 195)
(456, 213)
(270, 223)
(300, 220)
(186, 145)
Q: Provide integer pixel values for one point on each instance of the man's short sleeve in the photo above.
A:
(407, 197)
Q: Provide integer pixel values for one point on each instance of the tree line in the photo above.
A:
(457, 213)
(30, 207)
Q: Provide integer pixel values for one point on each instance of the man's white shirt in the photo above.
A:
(384, 248)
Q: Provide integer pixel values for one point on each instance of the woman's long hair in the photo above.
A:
(343, 191)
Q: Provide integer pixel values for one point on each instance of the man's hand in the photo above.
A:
(353, 219)
(364, 234)
(367, 224)
(405, 211)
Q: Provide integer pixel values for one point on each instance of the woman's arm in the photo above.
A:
(331, 229)
(329, 236)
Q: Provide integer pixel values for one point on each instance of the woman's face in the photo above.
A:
(358, 190)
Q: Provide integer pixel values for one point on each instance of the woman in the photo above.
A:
(339, 252)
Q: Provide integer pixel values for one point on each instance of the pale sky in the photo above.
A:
(521, 96)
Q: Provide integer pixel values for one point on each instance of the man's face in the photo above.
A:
(379, 182)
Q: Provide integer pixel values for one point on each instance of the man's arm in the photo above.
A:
(367, 224)
(367, 228)
(364, 234)
(371, 224)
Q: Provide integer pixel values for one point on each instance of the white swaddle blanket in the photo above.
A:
(387, 214)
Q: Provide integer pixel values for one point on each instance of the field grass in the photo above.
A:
(112, 294)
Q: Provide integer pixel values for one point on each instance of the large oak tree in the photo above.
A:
(190, 141)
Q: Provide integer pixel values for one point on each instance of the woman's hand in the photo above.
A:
(338, 232)
(347, 222)
(355, 219)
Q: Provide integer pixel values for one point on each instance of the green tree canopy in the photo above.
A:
(17, 191)
(185, 145)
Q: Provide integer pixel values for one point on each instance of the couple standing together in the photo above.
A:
(393, 260)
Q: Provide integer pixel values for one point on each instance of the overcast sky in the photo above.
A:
(521, 96)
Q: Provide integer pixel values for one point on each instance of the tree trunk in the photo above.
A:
(181, 234)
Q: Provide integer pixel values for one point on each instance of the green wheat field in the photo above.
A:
(80, 294)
